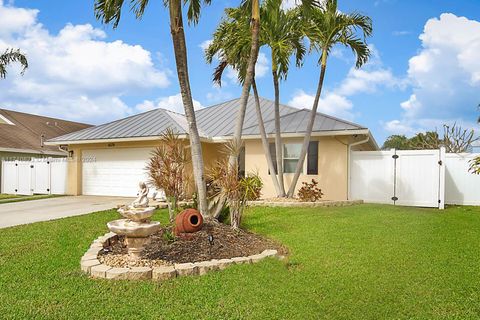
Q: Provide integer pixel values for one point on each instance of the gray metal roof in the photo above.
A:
(215, 121)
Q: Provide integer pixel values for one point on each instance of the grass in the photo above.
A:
(362, 262)
(8, 198)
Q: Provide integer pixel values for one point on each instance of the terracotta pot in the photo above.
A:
(189, 221)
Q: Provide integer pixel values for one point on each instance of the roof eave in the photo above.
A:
(115, 140)
(300, 135)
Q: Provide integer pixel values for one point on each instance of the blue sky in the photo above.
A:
(424, 71)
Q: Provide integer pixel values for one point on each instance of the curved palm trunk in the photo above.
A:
(308, 134)
(263, 135)
(237, 136)
(278, 136)
(180, 48)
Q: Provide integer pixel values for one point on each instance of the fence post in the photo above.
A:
(441, 186)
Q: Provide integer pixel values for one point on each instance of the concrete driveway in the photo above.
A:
(17, 213)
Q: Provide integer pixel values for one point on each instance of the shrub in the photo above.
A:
(310, 192)
(252, 186)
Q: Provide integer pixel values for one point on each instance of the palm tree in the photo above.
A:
(109, 11)
(328, 27)
(231, 45)
(281, 31)
(11, 56)
(254, 6)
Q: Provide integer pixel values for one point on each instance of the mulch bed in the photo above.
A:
(195, 247)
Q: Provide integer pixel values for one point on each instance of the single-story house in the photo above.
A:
(23, 135)
(110, 159)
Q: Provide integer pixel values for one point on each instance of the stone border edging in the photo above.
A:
(342, 203)
(90, 264)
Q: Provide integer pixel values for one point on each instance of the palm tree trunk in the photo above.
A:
(263, 135)
(308, 134)
(180, 48)
(237, 136)
(278, 136)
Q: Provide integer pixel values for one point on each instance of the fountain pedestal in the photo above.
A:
(136, 229)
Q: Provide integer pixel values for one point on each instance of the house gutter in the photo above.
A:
(349, 162)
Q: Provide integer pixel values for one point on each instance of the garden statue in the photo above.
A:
(142, 198)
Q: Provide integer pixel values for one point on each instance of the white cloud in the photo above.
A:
(445, 74)
(367, 80)
(172, 103)
(331, 103)
(74, 74)
(398, 127)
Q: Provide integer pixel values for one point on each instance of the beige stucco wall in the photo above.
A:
(332, 167)
(74, 181)
(332, 164)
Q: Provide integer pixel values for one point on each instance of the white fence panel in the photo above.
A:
(25, 177)
(372, 176)
(9, 177)
(461, 187)
(39, 176)
(58, 174)
(418, 178)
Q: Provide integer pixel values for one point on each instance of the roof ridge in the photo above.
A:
(336, 118)
(42, 116)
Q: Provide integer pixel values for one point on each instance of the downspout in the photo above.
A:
(349, 162)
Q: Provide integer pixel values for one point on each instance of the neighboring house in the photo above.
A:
(110, 159)
(23, 135)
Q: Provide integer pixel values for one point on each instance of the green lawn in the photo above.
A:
(362, 262)
(8, 198)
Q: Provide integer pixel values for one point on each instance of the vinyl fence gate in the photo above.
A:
(38, 176)
(409, 178)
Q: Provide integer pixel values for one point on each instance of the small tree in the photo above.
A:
(475, 163)
(399, 142)
(168, 170)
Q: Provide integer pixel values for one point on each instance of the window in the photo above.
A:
(291, 156)
(274, 157)
(312, 158)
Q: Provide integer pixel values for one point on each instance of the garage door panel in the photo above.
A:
(114, 172)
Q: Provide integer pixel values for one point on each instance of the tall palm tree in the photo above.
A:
(279, 30)
(231, 45)
(254, 6)
(11, 56)
(328, 27)
(282, 32)
(109, 11)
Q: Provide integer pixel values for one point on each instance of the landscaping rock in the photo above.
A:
(224, 263)
(99, 271)
(88, 264)
(186, 269)
(164, 273)
(240, 260)
(117, 273)
(206, 266)
(270, 253)
(139, 273)
(257, 257)
(89, 257)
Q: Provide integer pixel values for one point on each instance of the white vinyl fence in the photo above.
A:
(38, 176)
(424, 178)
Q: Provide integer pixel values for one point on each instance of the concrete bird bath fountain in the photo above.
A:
(137, 226)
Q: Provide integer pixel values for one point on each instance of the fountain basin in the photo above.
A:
(137, 214)
(132, 229)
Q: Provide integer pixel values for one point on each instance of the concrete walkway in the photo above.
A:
(17, 213)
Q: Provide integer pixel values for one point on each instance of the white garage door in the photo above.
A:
(114, 172)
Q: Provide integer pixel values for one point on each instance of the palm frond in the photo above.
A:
(11, 56)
